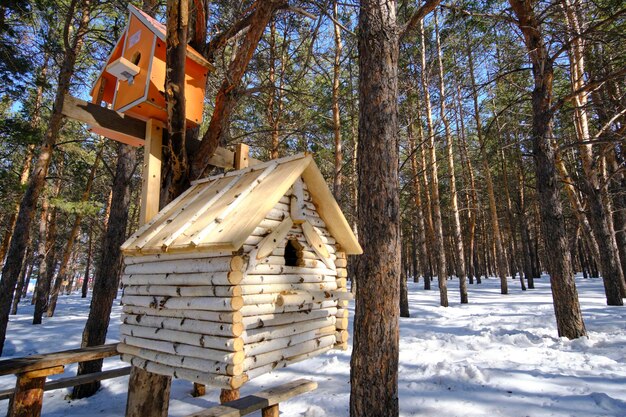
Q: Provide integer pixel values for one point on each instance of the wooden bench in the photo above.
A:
(267, 401)
(32, 371)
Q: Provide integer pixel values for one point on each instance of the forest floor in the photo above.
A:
(497, 356)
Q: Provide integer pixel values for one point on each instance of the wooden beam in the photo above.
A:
(266, 399)
(151, 175)
(105, 122)
(49, 360)
(241, 156)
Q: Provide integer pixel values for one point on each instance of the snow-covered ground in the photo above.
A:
(497, 356)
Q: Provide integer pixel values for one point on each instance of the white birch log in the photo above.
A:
(284, 342)
(176, 336)
(183, 291)
(261, 370)
(256, 335)
(342, 323)
(286, 279)
(341, 336)
(277, 288)
(160, 257)
(179, 361)
(270, 320)
(225, 317)
(274, 238)
(186, 325)
(210, 278)
(230, 358)
(254, 299)
(341, 263)
(342, 283)
(304, 297)
(263, 269)
(189, 303)
(291, 351)
(259, 309)
(341, 254)
(221, 264)
(342, 313)
(217, 381)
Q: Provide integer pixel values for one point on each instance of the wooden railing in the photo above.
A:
(267, 401)
(32, 371)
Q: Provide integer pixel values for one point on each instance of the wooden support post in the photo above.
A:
(241, 156)
(271, 411)
(229, 395)
(198, 390)
(28, 395)
(151, 178)
(148, 393)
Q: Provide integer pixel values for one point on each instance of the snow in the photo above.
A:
(497, 356)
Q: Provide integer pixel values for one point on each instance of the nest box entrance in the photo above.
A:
(132, 80)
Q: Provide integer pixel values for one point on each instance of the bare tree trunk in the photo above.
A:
(566, 305)
(440, 251)
(69, 245)
(337, 179)
(374, 363)
(87, 265)
(105, 286)
(21, 232)
(459, 255)
(19, 289)
(500, 259)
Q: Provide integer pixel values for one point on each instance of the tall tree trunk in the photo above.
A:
(595, 192)
(227, 94)
(85, 286)
(19, 289)
(440, 251)
(46, 266)
(337, 179)
(566, 305)
(454, 203)
(523, 225)
(500, 259)
(69, 245)
(21, 233)
(374, 363)
(108, 271)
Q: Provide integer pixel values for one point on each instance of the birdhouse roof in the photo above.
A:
(220, 212)
(155, 27)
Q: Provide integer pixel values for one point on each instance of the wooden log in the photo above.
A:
(221, 264)
(277, 288)
(187, 325)
(51, 360)
(261, 370)
(263, 269)
(28, 394)
(231, 358)
(288, 352)
(342, 283)
(341, 336)
(269, 345)
(271, 411)
(185, 303)
(315, 239)
(302, 262)
(214, 278)
(259, 309)
(341, 346)
(183, 291)
(341, 263)
(296, 202)
(254, 299)
(179, 361)
(199, 390)
(264, 333)
(228, 395)
(269, 320)
(254, 279)
(218, 381)
(225, 317)
(161, 257)
(305, 297)
(177, 336)
(268, 244)
(342, 303)
(342, 273)
(342, 323)
(342, 313)
(340, 254)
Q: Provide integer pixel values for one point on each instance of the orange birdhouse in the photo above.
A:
(133, 78)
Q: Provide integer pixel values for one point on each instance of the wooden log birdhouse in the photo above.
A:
(243, 273)
(132, 80)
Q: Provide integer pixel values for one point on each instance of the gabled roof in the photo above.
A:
(220, 212)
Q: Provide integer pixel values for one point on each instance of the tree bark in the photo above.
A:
(440, 250)
(108, 271)
(566, 305)
(85, 285)
(337, 179)
(21, 233)
(374, 363)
